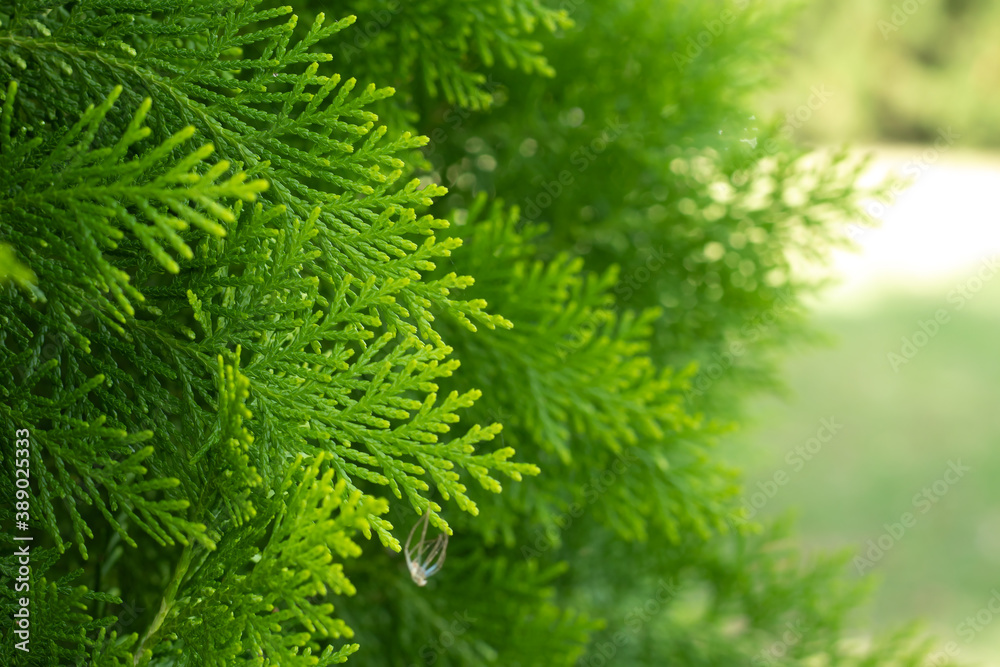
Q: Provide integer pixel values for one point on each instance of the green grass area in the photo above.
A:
(900, 430)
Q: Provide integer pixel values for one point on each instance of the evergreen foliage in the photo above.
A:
(254, 337)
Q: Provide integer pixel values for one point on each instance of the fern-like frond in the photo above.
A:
(575, 387)
(60, 627)
(80, 461)
(84, 199)
(13, 270)
(445, 45)
(306, 529)
(305, 132)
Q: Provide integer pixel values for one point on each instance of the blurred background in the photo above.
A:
(911, 371)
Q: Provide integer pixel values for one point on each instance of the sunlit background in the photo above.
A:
(913, 371)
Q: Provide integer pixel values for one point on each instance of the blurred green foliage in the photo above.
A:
(898, 70)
